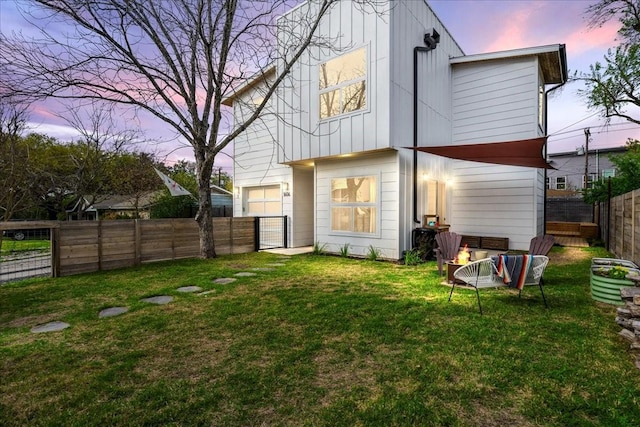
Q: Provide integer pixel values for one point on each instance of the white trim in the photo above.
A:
(377, 205)
(340, 86)
(506, 54)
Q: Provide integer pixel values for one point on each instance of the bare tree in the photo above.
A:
(15, 171)
(627, 12)
(613, 87)
(175, 59)
(93, 155)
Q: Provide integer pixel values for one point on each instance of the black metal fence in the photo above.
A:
(569, 209)
(24, 253)
(271, 232)
(221, 211)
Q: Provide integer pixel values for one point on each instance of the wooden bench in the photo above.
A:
(495, 243)
(557, 228)
(485, 242)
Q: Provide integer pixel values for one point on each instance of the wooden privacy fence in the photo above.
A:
(87, 246)
(620, 225)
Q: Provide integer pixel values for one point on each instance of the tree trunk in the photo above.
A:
(204, 217)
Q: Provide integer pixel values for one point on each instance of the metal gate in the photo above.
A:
(271, 232)
(25, 252)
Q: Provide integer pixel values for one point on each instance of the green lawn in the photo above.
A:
(10, 246)
(321, 341)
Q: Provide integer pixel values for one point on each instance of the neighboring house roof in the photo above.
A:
(219, 190)
(249, 84)
(553, 60)
(126, 202)
(573, 153)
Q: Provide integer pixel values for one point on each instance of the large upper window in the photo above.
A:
(343, 84)
(354, 205)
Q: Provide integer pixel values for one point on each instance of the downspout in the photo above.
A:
(430, 40)
(563, 66)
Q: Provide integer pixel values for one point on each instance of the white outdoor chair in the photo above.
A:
(483, 274)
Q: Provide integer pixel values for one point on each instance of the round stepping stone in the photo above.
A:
(112, 311)
(50, 327)
(160, 299)
(224, 280)
(189, 289)
(245, 274)
(262, 269)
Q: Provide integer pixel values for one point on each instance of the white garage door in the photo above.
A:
(263, 201)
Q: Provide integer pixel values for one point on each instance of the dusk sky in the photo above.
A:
(478, 27)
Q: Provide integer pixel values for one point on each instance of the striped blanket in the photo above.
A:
(513, 269)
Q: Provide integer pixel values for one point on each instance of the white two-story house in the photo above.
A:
(333, 151)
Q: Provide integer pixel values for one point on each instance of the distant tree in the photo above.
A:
(175, 59)
(132, 174)
(613, 87)
(627, 12)
(16, 175)
(53, 174)
(94, 153)
(627, 176)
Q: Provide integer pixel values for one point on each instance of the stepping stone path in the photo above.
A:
(160, 299)
(112, 311)
(189, 289)
(50, 327)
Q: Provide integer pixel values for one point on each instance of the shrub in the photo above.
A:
(344, 250)
(412, 257)
(319, 248)
(373, 254)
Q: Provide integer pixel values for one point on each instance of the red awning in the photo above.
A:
(526, 152)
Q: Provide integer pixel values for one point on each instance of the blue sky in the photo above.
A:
(478, 26)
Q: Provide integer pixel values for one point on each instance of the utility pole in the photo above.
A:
(587, 134)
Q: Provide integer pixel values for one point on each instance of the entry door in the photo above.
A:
(263, 201)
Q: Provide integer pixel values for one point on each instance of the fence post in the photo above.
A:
(608, 213)
(285, 231)
(55, 252)
(137, 241)
(99, 245)
(256, 228)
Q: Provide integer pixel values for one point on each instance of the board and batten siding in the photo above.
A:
(410, 21)
(301, 132)
(256, 152)
(496, 101)
(385, 167)
(255, 149)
